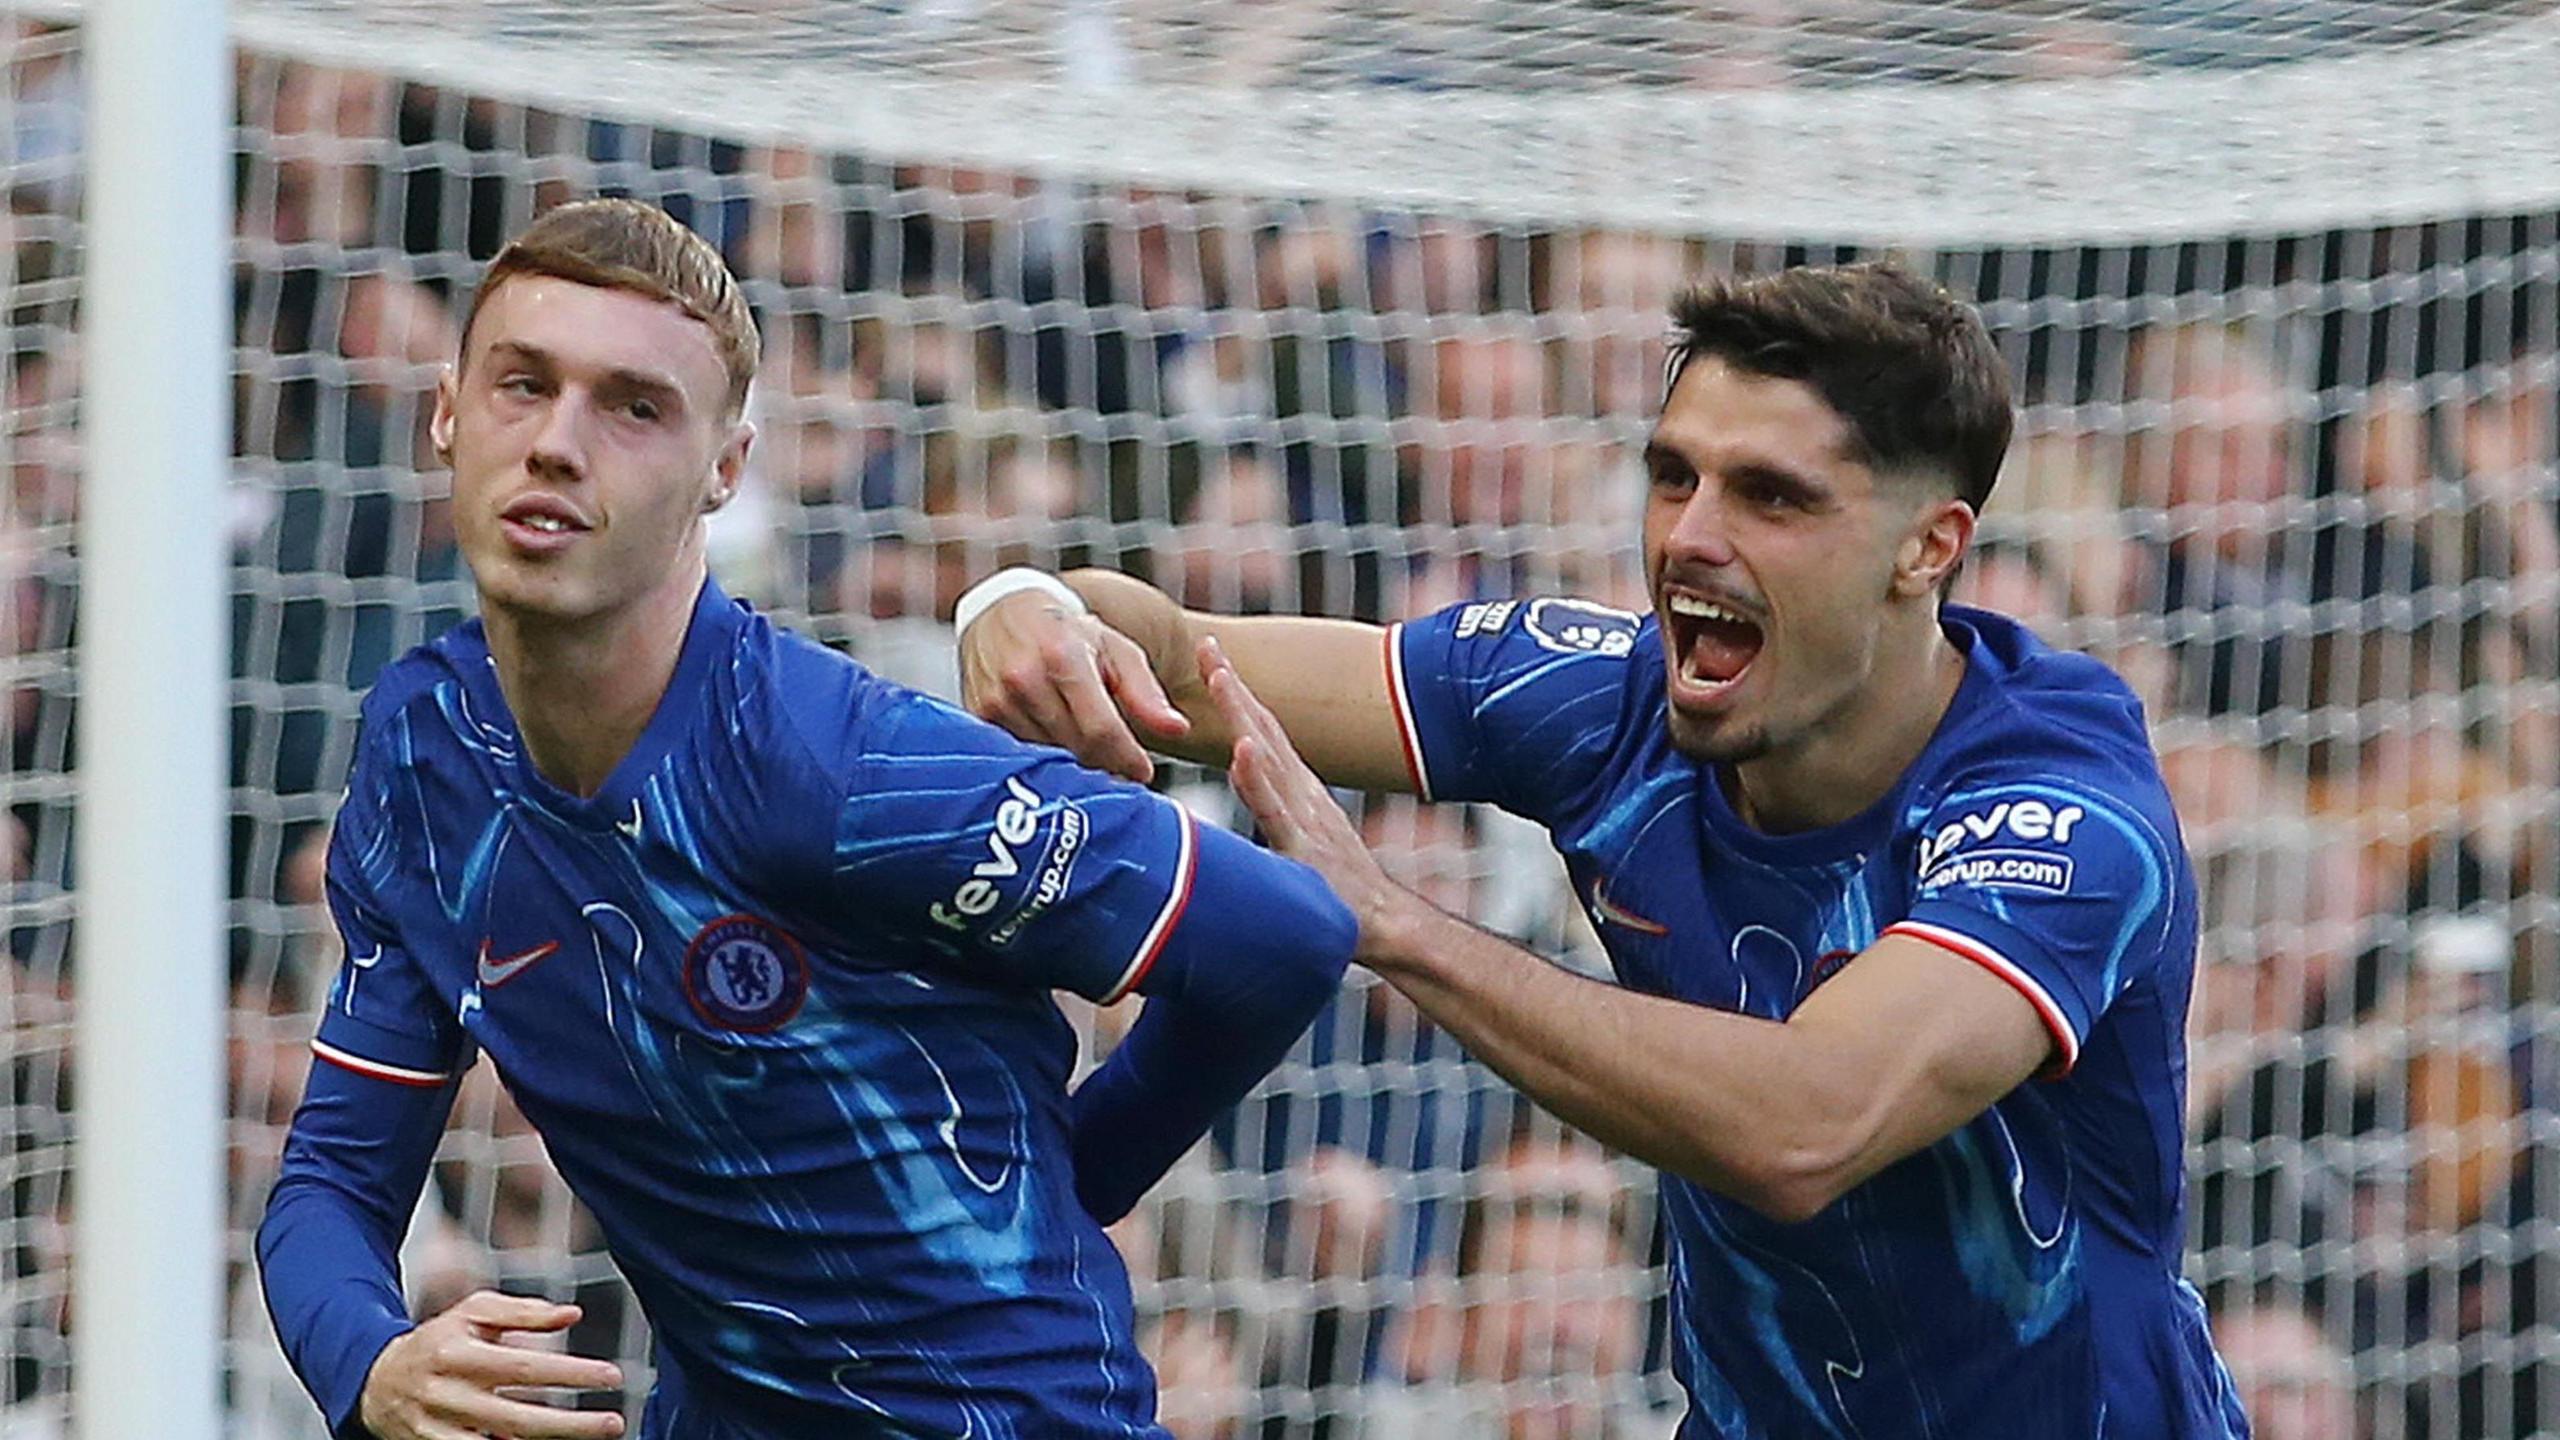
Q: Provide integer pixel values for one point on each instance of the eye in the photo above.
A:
(1671, 477)
(1771, 493)
(642, 409)
(519, 383)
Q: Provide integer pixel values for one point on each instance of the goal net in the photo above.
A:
(1356, 308)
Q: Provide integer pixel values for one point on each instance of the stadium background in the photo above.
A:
(1358, 310)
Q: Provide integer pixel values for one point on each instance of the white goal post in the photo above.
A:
(147, 1285)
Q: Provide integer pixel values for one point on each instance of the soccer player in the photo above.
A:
(762, 946)
(1903, 925)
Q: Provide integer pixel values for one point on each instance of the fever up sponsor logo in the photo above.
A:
(1963, 852)
(1017, 820)
(1009, 842)
(2011, 869)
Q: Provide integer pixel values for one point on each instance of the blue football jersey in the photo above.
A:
(2021, 1276)
(778, 999)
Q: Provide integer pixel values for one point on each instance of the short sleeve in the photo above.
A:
(1516, 702)
(1023, 864)
(2066, 890)
(383, 1019)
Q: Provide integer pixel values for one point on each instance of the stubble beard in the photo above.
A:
(1717, 745)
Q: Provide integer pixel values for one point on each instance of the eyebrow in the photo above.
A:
(1658, 454)
(1793, 483)
(647, 382)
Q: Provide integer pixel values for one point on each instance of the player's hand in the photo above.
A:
(1066, 680)
(442, 1381)
(1297, 813)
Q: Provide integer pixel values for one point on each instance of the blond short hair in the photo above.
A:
(628, 245)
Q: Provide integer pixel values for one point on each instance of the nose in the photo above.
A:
(559, 448)
(1699, 535)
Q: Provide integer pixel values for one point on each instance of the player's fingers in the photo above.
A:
(497, 1364)
(999, 665)
(1250, 779)
(1004, 637)
(1284, 793)
(431, 1427)
(1133, 683)
(487, 1310)
(1031, 705)
(1103, 739)
(1284, 769)
(490, 1413)
(1244, 713)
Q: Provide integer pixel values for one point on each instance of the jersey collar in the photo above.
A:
(709, 635)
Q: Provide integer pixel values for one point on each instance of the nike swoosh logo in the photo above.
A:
(494, 973)
(632, 827)
(1602, 906)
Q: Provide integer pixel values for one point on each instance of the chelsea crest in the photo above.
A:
(744, 973)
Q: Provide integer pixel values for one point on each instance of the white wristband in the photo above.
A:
(1012, 581)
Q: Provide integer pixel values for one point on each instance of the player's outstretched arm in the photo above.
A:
(1906, 1044)
(1114, 684)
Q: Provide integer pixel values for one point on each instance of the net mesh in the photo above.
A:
(1356, 309)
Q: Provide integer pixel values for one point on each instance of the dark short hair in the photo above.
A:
(622, 244)
(1908, 366)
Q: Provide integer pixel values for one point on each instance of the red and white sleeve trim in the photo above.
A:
(2066, 1044)
(396, 1074)
(1186, 861)
(1406, 731)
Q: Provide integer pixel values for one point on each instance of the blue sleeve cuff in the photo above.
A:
(332, 1292)
(342, 1410)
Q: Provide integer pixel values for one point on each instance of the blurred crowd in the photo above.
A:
(2300, 490)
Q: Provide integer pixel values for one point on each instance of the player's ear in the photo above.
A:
(1933, 547)
(729, 467)
(440, 424)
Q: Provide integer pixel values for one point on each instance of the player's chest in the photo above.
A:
(1682, 916)
(545, 938)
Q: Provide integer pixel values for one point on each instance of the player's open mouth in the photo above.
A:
(542, 523)
(1712, 643)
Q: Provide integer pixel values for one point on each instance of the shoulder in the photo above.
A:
(830, 749)
(2051, 746)
(926, 774)
(1518, 701)
(793, 697)
(415, 702)
(1555, 628)
(417, 674)
(420, 700)
(908, 728)
(2031, 708)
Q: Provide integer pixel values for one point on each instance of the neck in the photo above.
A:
(1856, 756)
(583, 690)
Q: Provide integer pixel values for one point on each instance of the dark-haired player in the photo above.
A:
(1902, 921)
